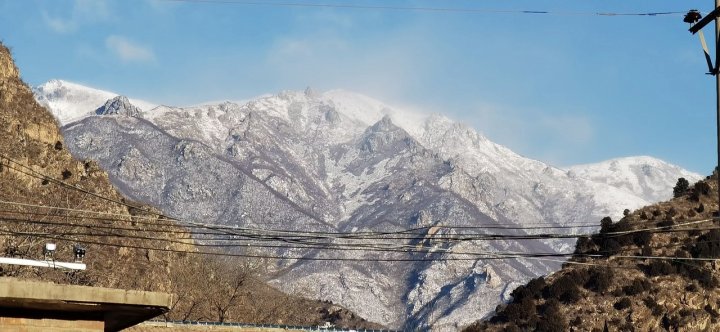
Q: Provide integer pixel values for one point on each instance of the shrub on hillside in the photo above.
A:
(518, 312)
(637, 286)
(653, 306)
(600, 279)
(584, 245)
(609, 246)
(563, 289)
(703, 276)
(532, 290)
(624, 303)
(699, 189)
(551, 318)
(666, 224)
(681, 187)
(713, 313)
(707, 245)
(642, 238)
(659, 268)
(605, 225)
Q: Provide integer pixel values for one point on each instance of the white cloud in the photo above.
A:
(383, 68)
(57, 24)
(82, 12)
(128, 50)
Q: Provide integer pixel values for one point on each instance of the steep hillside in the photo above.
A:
(653, 270)
(342, 162)
(48, 196)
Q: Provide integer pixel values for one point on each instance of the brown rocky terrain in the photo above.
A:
(657, 272)
(128, 246)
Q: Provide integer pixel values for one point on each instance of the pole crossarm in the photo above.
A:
(709, 18)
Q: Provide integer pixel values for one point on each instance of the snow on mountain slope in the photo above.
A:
(70, 101)
(647, 177)
(345, 162)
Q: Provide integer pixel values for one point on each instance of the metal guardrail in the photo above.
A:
(269, 326)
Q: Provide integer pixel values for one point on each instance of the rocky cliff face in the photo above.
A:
(342, 162)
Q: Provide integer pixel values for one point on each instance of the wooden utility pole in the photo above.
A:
(717, 96)
(697, 23)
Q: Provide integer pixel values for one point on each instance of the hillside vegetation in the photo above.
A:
(128, 246)
(653, 270)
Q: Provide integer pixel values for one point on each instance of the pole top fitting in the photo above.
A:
(693, 16)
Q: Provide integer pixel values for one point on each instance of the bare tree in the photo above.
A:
(226, 279)
(190, 298)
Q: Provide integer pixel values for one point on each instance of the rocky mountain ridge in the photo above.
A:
(338, 161)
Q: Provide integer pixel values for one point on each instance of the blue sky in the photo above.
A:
(565, 89)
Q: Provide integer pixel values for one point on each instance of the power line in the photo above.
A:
(304, 245)
(430, 9)
(374, 259)
(396, 235)
(372, 247)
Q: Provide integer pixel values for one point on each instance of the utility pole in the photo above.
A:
(717, 95)
(694, 18)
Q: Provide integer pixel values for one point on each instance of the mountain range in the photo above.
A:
(342, 162)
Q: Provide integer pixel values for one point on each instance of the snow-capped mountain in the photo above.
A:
(70, 101)
(646, 177)
(339, 161)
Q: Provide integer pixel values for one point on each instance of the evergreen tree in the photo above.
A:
(681, 187)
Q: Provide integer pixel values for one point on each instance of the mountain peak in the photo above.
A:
(385, 136)
(119, 105)
(385, 124)
(311, 93)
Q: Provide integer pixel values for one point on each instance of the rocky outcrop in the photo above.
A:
(119, 105)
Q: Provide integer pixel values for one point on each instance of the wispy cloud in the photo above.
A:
(58, 24)
(81, 12)
(128, 50)
(383, 68)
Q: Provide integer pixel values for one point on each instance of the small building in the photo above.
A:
(30, 306)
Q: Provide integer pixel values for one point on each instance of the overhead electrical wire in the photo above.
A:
(235, 229)
(326, 246)
(428, 8)
(300, 242)
(371, 259)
